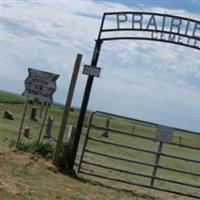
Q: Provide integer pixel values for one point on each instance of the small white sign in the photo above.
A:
(40, 85)
(91, 70)
(164, 134)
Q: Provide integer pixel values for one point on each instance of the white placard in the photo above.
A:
(92, 71)
(164, 134)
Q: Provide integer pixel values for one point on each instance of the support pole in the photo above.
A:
(85, 100)
(22, 122)
(67, 108)
(43, 122)
(156, 163)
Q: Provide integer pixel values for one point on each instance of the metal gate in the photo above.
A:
(140, 153)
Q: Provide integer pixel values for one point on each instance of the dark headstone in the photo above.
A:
(27, 132)
(33, 114)
(8, 115)
(105, 134)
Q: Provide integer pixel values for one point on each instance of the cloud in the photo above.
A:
(148, 80)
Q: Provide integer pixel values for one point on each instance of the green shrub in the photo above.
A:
(66, 155)
(44, 149)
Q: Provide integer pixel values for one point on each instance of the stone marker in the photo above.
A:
(49, 127)
(71, 130)
(8, 115)
(33, 114)
(27, 132)
(105, 134)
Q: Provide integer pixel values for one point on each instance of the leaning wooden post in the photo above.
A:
(67, 109)
(43, 122)
(22, 122)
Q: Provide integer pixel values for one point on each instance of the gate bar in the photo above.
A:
(144, 150)
(143, 137)
(119, 158)
(141, 163)
(140, 185)
(143, 175)
(145, 122)
(123, 146)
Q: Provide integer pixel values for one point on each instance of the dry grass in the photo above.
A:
(27, 177)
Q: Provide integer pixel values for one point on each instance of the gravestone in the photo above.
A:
(8, 115)
(27, 132)
(49, 128)
(71, 130)
(105, 134)
(33, 114)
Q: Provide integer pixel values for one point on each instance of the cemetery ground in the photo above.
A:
(24, 175)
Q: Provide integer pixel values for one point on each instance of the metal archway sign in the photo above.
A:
(137, 26)
(150, 26)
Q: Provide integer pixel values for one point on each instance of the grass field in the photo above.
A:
(6, 97)
(17, 175)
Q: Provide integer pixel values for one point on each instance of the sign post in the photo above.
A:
(38, 85)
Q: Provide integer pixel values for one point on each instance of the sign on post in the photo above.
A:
(92, 71)
(40, 85)
(164, 134)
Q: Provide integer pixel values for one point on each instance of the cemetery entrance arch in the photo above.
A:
(144, 26)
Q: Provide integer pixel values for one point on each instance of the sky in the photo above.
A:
(151, 81)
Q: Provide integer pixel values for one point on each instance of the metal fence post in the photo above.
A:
(156, 163)
(85, 101)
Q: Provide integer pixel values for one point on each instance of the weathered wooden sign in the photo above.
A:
(40, 85)
(164, 134)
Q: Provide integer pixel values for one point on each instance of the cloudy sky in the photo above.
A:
(153, 81)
